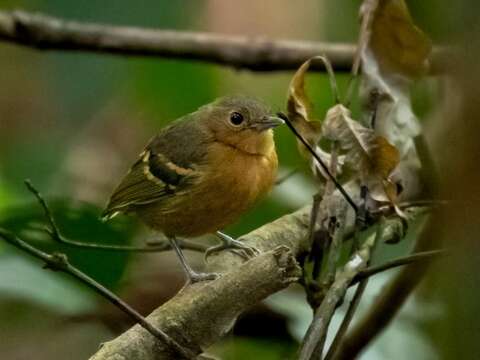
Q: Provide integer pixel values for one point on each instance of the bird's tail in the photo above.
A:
(108, 214)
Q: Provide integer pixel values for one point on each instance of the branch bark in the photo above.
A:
(201, 313)
(253, 53)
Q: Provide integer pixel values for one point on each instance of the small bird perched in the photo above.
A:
(200, 173)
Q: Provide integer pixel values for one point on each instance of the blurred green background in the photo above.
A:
(74, 122)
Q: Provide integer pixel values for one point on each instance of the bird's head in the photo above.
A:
(242, 122)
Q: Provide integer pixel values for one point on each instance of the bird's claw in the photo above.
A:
(194, 277)
(237, 247)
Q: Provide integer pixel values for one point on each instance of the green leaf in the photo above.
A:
(79, 222)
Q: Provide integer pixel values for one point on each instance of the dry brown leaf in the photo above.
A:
(385, 157)
(395, 119)
(396, 42)
(371, 155)
(386, 191)
(394, 53)
(299, 108)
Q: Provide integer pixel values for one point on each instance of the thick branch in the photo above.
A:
(200, 314)
(242, 52)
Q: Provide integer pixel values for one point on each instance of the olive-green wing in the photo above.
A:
(151, 179)
(167, 166)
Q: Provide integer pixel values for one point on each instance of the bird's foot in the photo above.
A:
(194, 277)
(237, 247)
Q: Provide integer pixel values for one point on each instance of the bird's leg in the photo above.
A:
(236, 246)
(192, 276)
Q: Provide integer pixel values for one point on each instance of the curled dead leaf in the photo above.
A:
(394, 52)
(396, 42)
(299, 109)
(368, 153)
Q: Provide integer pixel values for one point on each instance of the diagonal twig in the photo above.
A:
(388, 303)
(59, 262)
(55, 234)
(347, 319)
(314, 340)
(353, 305)
(320, 162)
(401, 261)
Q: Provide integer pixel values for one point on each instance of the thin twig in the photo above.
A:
(388, 303)
(335, 227)
(330, 186)
(320, 161)
(389, 209)
(360, 219)
(314, 340)
(336, 234)
(405, 260)
(347, 319)
(352, 307)
(368, 8)
(331, 239)
(317, 198)
(59, 262)
(55, 234)
(422, 202)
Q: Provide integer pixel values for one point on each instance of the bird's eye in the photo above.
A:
(236, 118)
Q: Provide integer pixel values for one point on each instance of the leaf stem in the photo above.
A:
(331, 76)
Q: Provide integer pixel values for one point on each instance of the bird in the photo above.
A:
(200, 173)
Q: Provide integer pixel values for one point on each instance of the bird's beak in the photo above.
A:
(269, 122)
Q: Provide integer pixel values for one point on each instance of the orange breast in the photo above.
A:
(221, 195)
